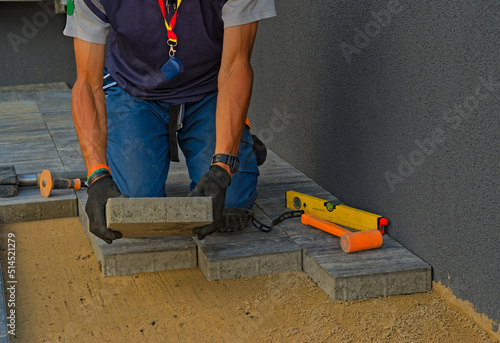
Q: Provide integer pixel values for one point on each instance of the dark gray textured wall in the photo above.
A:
(32, 46)
(405, 123)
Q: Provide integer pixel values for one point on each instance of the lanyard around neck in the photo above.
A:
(172, 37)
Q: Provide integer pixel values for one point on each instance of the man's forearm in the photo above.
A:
(235, 88)
(88, 103)
(89, 115)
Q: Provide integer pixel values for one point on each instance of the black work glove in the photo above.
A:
(235, 219)
(99, 192)
(213, 184)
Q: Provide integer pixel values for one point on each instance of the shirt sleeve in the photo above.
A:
(240, 12)
(87, 25)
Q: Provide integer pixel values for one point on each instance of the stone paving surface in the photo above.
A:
(36, 132)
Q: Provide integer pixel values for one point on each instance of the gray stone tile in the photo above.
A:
(74, 166)
(47, 98)
(36, 166)
(65, 138)
(70, 155)
(58, 120)
(389, 270)
(34, 87)
(53, 101)
(27, 151)
(239, 257)
(29, 205)
(138, 255)
(248, 253)
(8, 97)
(18, 107)
(158, 217)
(21, 127)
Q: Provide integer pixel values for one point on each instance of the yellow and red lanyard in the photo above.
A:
(172, 37)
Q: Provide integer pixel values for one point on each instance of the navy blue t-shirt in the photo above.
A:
(138, 46)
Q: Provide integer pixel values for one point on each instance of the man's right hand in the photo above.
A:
(99, 192)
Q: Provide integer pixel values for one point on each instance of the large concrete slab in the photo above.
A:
(390, 270)
(30, 205)
(18, 107)
(248, 253)
(158, 217)
(138, 255)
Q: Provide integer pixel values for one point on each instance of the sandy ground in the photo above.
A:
(62, 297)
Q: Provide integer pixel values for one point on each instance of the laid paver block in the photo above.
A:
(8, 97)
(130, 256)
(34, 87)
(254, 264)
(390, 270)
(35, 166)
(158, 217)
(18, 107)
(248, 253)
(29, 205)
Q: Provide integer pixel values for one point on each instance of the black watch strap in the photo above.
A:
(232, 161)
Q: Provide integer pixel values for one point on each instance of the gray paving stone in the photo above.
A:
(34, 135)
(34, 87)
(8, 97)
(27, 151)
(390, 270)
(130, 256)
(65, 138)
(22, 125)
(73, 165)
(158, 217)
(35, 166)
(18, 107)
(58, 120)
(71, 156)
(48, 100)
(248, 253)
(29, 205)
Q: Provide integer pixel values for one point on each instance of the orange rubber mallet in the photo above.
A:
(349, 241)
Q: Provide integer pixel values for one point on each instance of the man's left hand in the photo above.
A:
(213, 184)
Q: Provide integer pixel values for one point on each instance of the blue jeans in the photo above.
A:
(138, 147)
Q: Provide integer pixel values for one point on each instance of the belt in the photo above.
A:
(175, 119)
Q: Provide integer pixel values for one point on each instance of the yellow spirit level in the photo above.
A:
(340, 214)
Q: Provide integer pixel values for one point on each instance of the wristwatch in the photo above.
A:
(232, 161)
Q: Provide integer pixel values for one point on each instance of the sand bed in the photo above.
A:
(62, 297)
